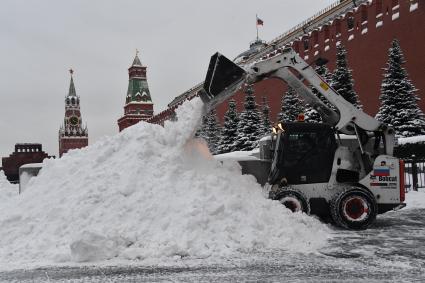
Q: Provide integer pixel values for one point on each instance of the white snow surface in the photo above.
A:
(147, 193)
(415, 199)
(238, 155)
(395, 16)
(416, 139)
(413, 7)
(7, 190)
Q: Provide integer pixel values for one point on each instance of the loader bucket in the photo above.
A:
(222, 80)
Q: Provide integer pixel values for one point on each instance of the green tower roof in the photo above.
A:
(138, 89)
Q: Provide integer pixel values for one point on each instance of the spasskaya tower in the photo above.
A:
(72, 134)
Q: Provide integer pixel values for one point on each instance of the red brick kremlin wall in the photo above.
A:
(367, 45)
(366, 32)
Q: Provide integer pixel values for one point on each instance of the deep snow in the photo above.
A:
(149, 192)
(7, 190)
(416, 139)
(415, 199)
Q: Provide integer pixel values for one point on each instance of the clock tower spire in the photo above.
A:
(138, 101)
(72, 134)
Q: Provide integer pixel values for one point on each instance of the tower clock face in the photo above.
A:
(73, 120)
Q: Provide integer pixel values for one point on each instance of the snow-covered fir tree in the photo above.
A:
(229, 132)
(212, 131)
(312, 115)
(326, 75)
(249, 126)
(265, 109)
(342, 79)
(291, 106)
(201, 131)
(399, 107)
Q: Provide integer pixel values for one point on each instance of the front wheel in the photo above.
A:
(354, 208)
(294, 200)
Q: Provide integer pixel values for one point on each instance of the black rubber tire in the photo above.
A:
(354, 208)
(294, 200)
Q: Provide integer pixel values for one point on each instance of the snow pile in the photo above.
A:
(415, 199)
(7, 190)
(148, 192)
(239, 155)
(415, 139)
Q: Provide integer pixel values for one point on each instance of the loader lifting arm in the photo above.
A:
(224, 78)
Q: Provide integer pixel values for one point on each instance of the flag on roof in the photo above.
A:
(259, 22)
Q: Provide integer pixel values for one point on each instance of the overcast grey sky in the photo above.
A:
(41, 40)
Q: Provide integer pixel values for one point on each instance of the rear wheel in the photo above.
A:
(294, 200)
(354, 208)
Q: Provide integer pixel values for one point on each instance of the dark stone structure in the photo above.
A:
(25, 153)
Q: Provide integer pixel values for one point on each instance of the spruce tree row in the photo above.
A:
(340, 80)
(240, 131)
(398, 108)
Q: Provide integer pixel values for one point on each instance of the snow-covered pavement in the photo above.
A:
(390, 251)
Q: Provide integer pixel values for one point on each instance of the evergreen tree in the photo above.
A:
(399, 107)
(267, 124)
(229, 132)
(342, 80)
(291, 106)
(326, 75)
(212, 131)
(312, 115)
(201, 131)
(249, 126)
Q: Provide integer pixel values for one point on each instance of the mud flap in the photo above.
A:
(223, 79)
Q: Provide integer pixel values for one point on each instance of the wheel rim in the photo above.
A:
(291, 203)
(355, 208)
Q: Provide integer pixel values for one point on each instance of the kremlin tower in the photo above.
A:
(138, 102)
(72, 134)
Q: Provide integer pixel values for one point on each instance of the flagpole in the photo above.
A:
(256, 24)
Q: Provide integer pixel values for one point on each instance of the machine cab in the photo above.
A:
(303, 154)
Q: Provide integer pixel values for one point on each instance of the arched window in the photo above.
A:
(296, 46)
(306, 43)
(315, 37)
(364, 13)
(326, 33)
(350, 22)
(337, 27)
